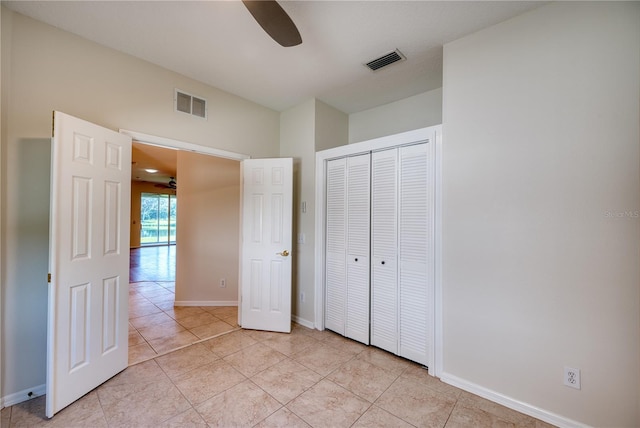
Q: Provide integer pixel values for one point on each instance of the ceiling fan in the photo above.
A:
(275, 21)
(172, 184)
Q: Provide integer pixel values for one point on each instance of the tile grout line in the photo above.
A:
(290, 358)
(182, 347)
(325, 377)
(181, 393)
(157, 353)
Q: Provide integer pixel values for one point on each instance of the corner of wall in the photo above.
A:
(331, 127)
(6, 21)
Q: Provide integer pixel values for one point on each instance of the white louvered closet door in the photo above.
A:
(358, 239)
(416, 203)
(384, 250)
(336, 247)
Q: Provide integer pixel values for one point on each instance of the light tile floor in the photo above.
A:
(254, 378)
(157, 327)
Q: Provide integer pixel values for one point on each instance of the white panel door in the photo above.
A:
(265, 263)
(384, 249)
(87, 333)
(336, 269)
(358, 249)
(416, 251)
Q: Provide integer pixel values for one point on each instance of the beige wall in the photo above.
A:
(297, 137)
(331, 127)
(137, 188)
(208, 230)
(54, 70)
(5, 45)
(418, 111)
(541, 166)
(310, 126)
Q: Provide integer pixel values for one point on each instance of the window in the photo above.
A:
(157, 218)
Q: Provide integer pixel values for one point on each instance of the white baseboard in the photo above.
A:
(20, 396)
(511, 403)
(205, 303)
(303, 322)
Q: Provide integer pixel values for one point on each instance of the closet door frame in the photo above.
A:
(430, 135)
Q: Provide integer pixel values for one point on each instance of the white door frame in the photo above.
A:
(169, 143)
(431, 133)
(182, 145)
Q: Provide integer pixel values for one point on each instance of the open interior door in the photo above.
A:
(265, 261)
(87, 332)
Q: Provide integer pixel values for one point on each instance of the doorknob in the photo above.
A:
(285, 253)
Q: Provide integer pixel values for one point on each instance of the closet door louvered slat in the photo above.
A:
(336, 270)
(358, 247)
(416, 251)
(384, 249)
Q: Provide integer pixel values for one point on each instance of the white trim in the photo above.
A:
(20, 396)
(321, 166)
(379, 143)
(437, 330)
(431, 133)
(303, 322)
(240, 242)
(182, 145)
(194, 148)
(205, 303)
(511, 403)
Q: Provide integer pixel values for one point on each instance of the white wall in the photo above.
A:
(541, 163)
(52, 69)
(418, 111)
(208, 230)
(310, 126)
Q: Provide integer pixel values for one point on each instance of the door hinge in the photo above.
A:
(53, 126)
(49, 278)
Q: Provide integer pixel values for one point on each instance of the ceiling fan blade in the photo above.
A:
(275, 21)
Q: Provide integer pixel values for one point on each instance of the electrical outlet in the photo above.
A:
(302, 297)
(223, 283)
(572, 377)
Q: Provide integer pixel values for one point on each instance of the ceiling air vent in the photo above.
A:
(190, 104)
(385, 60)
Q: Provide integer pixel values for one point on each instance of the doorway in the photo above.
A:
(162, 245)
(70, 327)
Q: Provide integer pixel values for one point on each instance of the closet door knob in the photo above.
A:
(383, 262)
(356, 259)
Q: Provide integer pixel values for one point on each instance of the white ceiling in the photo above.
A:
(219, 43)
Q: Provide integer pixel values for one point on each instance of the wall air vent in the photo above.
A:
(385, 60)
(190, 104)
